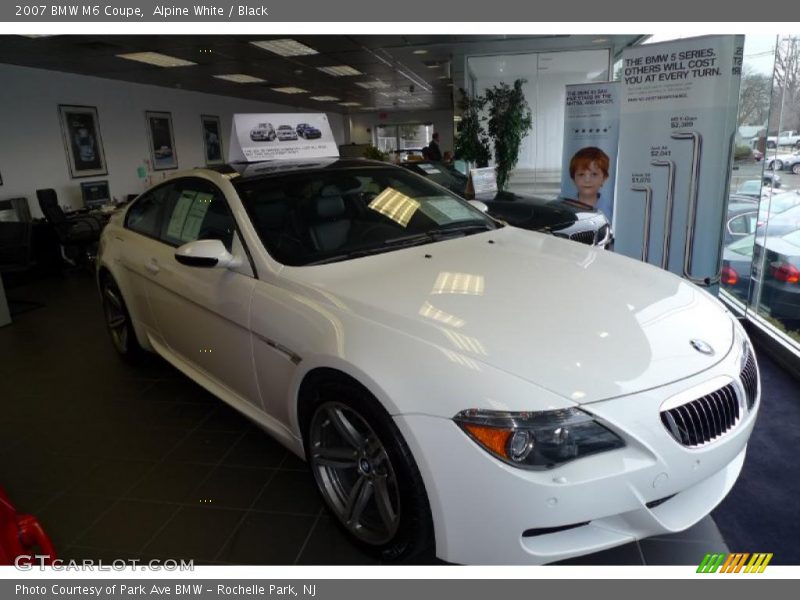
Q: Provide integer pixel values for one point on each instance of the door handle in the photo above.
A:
(152, 266)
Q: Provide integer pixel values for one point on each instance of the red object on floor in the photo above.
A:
(21, 535)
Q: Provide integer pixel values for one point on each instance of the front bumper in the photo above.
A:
(482, 507)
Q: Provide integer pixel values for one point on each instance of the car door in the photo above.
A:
(203, 313)
(140, 240)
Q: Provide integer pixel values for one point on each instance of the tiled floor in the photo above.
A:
(124, 462)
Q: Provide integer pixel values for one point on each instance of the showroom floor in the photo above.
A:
(139, 462)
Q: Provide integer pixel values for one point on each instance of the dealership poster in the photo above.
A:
(591, 135)
(678, 119)
(281, 136)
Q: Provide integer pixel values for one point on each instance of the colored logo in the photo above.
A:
(735, 563)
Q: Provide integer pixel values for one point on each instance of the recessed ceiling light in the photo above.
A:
(394, 93)
(154, 58)
(373, 85)
(340, 71)
(599, 40)
(325, 98)
(420, 51)
(33, 36)
(290, 90)
(285, 47)
(349, 103)
(240, 78)
(444, 76)
(433, 66)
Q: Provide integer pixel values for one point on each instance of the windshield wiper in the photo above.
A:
(405, 241)
(388, 245)
(472, 227)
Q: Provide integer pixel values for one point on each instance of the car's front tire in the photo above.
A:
(367, 475)
(118, 321)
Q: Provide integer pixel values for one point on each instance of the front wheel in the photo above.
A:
(367, 475)
(796, 168)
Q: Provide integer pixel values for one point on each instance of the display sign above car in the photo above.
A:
(271, 136)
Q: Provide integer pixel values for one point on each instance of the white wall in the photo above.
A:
(442, 122)
(32, 153)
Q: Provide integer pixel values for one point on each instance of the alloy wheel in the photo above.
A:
(116, 319)
(354, 473)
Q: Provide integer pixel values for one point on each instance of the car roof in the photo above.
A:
(273, 168)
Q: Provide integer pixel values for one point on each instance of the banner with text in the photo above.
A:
(679, 104)
(591, 136)
(281, 136)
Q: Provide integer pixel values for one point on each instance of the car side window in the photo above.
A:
(145, 215)
(742, 224)
(197, 211)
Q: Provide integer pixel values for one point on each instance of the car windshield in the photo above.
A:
(779, 203)
(333, 215)
(743, 246)
(753, 186)
(444, 175)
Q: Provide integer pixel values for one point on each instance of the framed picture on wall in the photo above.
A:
(162, 140)
(212, 139)
(80, 128)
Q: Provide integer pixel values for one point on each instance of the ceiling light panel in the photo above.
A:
(325, 98)
(349, 103)
(373, 85)
(290, 90)
(285, 47)
(340, 71)
(159, 60)
(240, 78)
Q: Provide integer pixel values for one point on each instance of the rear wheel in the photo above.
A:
(367, 475)
(118, 322)
(796, 168)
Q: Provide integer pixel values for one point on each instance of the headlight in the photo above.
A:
(537, 440)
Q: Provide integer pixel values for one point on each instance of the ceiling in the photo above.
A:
(411, 79)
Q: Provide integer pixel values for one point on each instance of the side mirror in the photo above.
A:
(206, 253)
(479, 205)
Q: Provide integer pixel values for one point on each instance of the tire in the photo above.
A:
(776, 165)
(118, 322)
(770, 144)
(796, 168)
(367, 475)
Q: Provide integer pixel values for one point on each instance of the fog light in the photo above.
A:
(520, 445)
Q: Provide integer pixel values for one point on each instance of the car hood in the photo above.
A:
(580, 322)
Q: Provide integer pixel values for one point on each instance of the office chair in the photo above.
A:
(78, 235)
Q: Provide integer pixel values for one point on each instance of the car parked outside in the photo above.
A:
(458, 386)
(737, 260)
(785, 161)
(562, 218)
(286, 133)
(776, 276)
(746, 216)
(263, 132)
(755, 188)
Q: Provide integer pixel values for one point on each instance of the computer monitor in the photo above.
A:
(95, 194)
